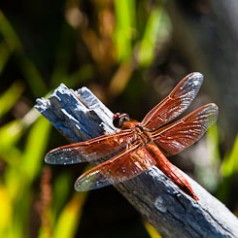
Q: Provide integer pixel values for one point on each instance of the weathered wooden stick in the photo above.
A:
(80, 116)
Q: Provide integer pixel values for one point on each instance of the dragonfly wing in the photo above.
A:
(91, 150)
(132, 162)
(175, 103)
(179, 135)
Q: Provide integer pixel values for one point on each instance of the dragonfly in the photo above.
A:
(137, 146)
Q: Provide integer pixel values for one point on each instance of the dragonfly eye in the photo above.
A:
(119, 119)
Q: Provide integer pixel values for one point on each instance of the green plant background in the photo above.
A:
(122, 50)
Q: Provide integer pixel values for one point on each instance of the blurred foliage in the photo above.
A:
(111, 47)
(152, 231)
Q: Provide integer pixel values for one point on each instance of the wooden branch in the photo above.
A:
(79, 116)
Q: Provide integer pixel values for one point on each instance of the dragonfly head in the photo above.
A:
(119, 119)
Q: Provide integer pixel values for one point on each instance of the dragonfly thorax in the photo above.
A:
(141, 134)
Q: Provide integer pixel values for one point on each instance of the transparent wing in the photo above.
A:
(91, 150)
(179, 135)
(175, 103)
(124, 166)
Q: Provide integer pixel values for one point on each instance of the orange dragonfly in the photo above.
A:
(137, 146)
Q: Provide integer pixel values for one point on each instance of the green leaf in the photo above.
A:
(125, 28)
(32, 75)
(69, 218)
(10, 97)
(35, 148)
(9, 135)
(9, 34)
(230, 163)
(4, 55)
(11, 132)
(61, 188)
(151, 34)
